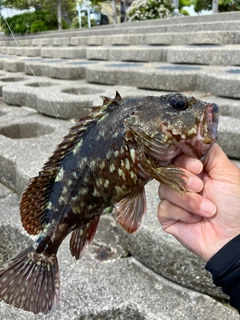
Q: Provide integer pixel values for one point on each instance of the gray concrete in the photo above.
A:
(121, 276)
(208, 55)
(64, 52)
(222, 81)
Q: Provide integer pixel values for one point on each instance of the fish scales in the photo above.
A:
(105, 160)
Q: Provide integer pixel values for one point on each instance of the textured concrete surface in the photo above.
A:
(147, 275)
(222, 81)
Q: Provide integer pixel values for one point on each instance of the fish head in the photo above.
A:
(173, 124)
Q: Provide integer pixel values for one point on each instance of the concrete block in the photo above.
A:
(78, 41)
(64, 52)
(97, 53)
(193, 37)
(223, 82)
(55, 98)
(209, 55)
(48, 52)
(120, 40)
(228, 133)
(5, 43)
(4, 50)
(31, 51)
(205, 38)
(137, 53)
(13, 65)
(15, 51)
(59, 69)
(41, 96)
(169, 78)
(42, 42)
(25, 42)
(61, 41)
(95, 40)
(159, 38)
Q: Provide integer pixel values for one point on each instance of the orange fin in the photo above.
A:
(131, 210)
(82, 236)
(30, 281)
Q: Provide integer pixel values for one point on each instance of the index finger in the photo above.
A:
(195, 166)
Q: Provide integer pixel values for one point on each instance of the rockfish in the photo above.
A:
(105, 160)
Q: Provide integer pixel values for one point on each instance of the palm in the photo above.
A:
(222, 187)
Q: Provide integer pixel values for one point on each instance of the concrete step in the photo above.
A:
(190, 54)
(220, 81)
(217, 22)
(69, 99)
(227, 55)
(161, 38)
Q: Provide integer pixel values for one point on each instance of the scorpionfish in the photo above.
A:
(105, 160)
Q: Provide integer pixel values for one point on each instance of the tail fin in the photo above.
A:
(30, 281)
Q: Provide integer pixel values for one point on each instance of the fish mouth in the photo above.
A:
(195, 144)
(206, 135)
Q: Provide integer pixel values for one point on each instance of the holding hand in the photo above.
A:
(207, 216)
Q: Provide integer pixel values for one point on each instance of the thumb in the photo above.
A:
(218, 166)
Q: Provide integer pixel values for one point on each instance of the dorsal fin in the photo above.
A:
(34, 200)
(112, 103)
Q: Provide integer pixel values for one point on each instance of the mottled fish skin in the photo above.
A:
(106, 159)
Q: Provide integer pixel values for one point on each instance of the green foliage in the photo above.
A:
(223, 5)
(226, 5)
(184, 12)
(24, 4)
(185, 3)
(200, 5)
(150, 9)
(31, 22)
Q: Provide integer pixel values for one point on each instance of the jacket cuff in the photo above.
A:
(225, 269)
(225, 258)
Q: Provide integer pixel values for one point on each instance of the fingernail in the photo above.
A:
(208, 207)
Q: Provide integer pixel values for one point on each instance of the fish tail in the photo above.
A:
(30, 281)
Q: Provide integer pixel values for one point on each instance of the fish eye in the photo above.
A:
(178, 101)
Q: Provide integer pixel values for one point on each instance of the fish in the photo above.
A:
(104, 161)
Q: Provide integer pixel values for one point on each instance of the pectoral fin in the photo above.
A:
(169, 175)
(130, 210)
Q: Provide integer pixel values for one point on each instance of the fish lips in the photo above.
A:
(212, 116)
(206, 135)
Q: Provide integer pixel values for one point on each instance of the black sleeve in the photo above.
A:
(225, 269)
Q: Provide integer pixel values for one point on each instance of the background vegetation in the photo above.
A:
(61, 14)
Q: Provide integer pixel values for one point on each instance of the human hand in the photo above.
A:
(207, 216)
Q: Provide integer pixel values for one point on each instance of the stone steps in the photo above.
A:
(217, 22)
(159, 55)
(188, 54)
(73, 68)
(223, 81)
(173, 37)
